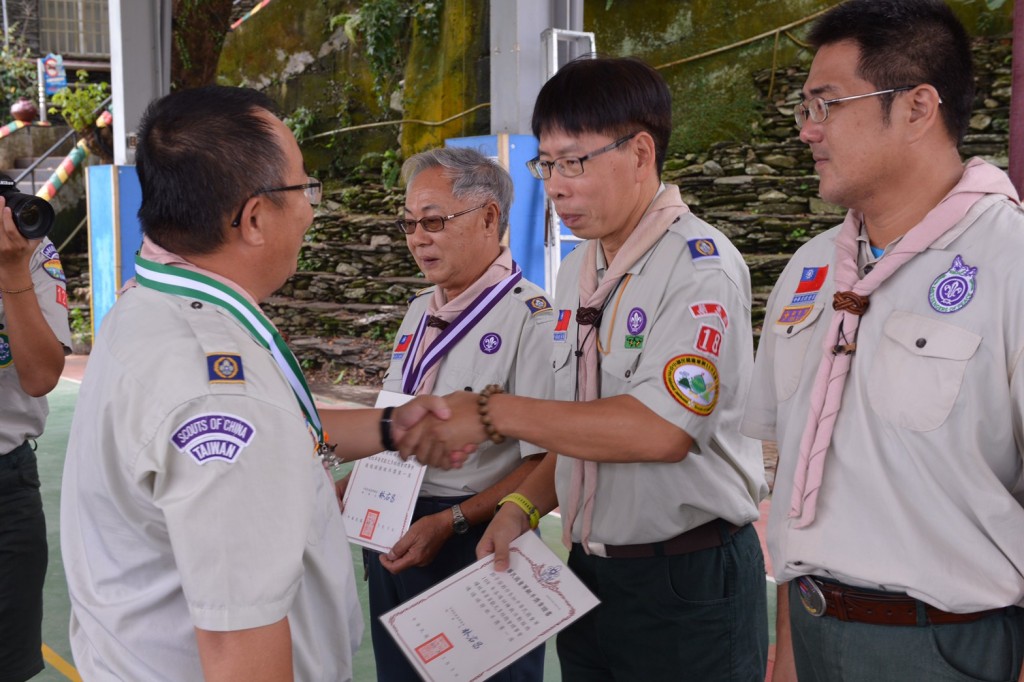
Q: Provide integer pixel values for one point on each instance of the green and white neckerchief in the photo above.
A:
(180, 282)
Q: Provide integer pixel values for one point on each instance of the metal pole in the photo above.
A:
(41, 76)
(7, 26)
(1017, 100)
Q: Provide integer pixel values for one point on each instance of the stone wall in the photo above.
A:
(342, 308)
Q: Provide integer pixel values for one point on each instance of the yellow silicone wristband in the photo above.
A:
(523, 503)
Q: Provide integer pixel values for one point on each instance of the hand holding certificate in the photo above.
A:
(381, 493)
(479, 621)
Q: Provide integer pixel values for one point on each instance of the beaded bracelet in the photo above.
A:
(385, 429)
(485, 418)
(523, 502)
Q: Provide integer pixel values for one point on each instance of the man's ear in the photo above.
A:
(644, 153)
(492, 215)
(924, 112)
(252, 227)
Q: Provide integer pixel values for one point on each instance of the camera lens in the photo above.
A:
(32, 216)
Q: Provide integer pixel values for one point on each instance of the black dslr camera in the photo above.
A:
(32, 216)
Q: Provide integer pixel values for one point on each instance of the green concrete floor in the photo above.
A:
(52, 447)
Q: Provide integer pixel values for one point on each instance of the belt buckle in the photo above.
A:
(811, 596)
(597, 549)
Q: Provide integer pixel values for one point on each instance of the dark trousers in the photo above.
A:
(23, 555)
(388, 591)
(699, 617)
(830, 650)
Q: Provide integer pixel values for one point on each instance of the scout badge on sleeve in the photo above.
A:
(693, 381)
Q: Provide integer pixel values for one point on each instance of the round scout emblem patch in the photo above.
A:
(953, 289)
(693, 382)
(490, 343)
(636, 321)
(5, 351)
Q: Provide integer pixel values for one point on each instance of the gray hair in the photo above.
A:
(472, 174)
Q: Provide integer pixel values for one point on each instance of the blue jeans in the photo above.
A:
(699, 617)
(388, 591)
(23, 556)
(830, 650)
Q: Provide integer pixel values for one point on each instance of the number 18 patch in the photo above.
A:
(709, 340)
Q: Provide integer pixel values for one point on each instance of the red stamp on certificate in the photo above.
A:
(433, 648)
(369, 524)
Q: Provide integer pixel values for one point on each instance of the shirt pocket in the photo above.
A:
(792, 342)
(918, 370)
(563, 371)
(619, 368)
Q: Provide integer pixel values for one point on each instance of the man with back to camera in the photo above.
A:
(651, 358)
(480, 324)
(896, 526)
(34, 338)
(200, 533)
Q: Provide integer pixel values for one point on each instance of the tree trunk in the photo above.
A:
(198, 30)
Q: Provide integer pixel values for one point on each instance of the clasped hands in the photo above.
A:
(439, 431)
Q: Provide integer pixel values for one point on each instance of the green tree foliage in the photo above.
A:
(17, 69)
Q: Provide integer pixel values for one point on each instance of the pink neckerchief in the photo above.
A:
(664, 209)
(438, 306)
(979, 179)
(153, 252)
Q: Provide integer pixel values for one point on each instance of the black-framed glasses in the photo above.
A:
(571, 166)
(314, 191)
(816, 109)
(434, 223)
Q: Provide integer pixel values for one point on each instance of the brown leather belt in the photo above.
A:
(876, 608)
(696, 539)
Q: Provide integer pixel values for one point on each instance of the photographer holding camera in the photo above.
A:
(34, 338)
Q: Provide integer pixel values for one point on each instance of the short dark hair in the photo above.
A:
(611, 95)
(201, 154)
(473, 176)
(907, 42)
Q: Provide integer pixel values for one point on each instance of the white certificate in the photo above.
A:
(382, 492)
(478, 621)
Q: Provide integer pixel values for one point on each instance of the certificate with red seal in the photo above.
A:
(479, 621)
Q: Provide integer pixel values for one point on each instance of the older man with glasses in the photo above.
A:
(200, 533)
(651, 359)
(888, 371)
(480, 326)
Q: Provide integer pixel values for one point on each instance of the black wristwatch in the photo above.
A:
(459, 523)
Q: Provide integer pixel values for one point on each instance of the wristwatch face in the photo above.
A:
(459, 523)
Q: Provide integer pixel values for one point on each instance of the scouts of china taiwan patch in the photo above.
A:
(5, 351)
(693, 382)
(562, 324)
(703, 248)
(953, 289)
(538, 304)
(225, 368)
(208, 437)
(710, 309)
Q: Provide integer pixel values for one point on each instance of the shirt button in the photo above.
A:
(628, 372)
(789, 329)
(920, 343)
(517, 290)
(197, 305)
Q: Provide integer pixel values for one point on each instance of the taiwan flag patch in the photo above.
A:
(812, 279)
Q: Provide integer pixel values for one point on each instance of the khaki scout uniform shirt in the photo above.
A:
(22, 416)
(677, 338)
(192, 498)
(923, 487)
(522, 320)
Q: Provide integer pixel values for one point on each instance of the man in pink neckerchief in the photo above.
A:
(888, 372)
(651, 358)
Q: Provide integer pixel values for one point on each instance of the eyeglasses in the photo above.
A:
(816, 109)
(314, 191)
(571, 166)
(434, 223)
